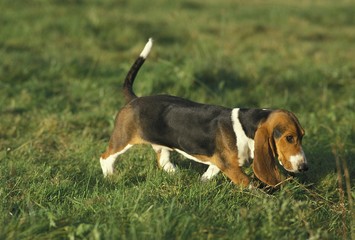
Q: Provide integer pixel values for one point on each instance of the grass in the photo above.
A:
(61, 67)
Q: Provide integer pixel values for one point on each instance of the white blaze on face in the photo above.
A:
(297, 160)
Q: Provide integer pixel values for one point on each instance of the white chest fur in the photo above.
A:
(245, 144)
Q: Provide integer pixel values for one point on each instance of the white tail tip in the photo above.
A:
(147, 48)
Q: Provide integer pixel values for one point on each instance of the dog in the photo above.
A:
(225, 139)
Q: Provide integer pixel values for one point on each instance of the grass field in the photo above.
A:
(62, 64)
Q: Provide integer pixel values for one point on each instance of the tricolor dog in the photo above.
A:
(223, 138)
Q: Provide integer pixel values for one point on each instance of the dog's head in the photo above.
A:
(280, 136)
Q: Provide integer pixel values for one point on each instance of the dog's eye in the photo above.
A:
(289, 139)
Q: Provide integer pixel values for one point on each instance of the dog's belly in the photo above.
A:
(188, 156)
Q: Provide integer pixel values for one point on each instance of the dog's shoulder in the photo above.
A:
(250, 118)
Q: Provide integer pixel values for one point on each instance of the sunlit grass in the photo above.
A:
(61, 69)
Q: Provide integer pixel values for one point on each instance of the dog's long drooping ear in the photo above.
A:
(264, 165)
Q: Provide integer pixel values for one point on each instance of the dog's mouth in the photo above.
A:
(296, 168)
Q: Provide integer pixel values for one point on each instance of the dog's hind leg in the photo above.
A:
(212, 171)
(108, 159)
(163, 157)
(124, 136)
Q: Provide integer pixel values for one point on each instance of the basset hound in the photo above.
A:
(223, 138)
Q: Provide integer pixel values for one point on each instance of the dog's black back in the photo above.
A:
(179, 123)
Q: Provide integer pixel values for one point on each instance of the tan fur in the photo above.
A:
(226, 157)
(264, 165)
(126, 132)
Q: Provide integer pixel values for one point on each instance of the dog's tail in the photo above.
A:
(131, 75)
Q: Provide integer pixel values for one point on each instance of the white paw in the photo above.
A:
(169, 168)
(205, 178)
(210, 173)
(107, 166)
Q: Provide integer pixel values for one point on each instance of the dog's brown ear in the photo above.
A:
(295, 119)
(264, 164)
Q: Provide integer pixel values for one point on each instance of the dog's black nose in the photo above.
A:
(303, 167)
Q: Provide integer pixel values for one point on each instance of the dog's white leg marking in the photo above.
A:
(212, 171)
(107, 164)
(164, 159)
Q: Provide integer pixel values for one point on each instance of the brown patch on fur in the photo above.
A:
(126, 131)
(226, 157)
(264, 164)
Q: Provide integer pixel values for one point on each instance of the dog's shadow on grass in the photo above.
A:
(327, 165)
(183, 163)
(321, 159)
(321, 165)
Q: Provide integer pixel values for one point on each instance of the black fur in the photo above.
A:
(181, 124)
(131, 75)
(251, 118)
(278, 131)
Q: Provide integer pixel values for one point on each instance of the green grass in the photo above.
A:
(61, 67)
